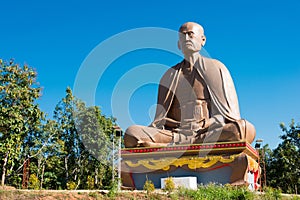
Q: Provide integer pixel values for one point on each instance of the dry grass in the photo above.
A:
(44, 195)
(72, 195)
(10, 193)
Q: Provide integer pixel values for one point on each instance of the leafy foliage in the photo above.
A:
(71, 185)
(56, 149)
(270, 193)
(113, 189)
(283, 164)
(149, 187)
(169, 185)
(80, 150)
(34, 182)
(90, 183)
(19, 113)
(212, 191)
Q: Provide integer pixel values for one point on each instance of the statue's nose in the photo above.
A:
(187, 37)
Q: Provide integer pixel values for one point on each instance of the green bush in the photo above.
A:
(113, 189)
(271, 193)
(90, 183)
(149, 186)
(212, 192)
(34, 182)
(239, 192)
(169, 185)
(71, 185)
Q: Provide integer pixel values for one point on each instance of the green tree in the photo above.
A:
(84, 135)
(96, 133)
(41, 147)
(19, 112)
(67, 137)
(283, 165)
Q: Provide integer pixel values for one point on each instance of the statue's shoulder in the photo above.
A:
(176, 67)
(171, 72)
(214, 63)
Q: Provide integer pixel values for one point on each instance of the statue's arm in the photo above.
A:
(230, 92)
(164, 100)
(224, 101)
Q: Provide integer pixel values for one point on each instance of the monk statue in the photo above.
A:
(197, 101)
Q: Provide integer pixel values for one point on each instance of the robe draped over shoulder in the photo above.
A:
(219, 83)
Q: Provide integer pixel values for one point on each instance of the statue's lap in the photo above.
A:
(137, 135)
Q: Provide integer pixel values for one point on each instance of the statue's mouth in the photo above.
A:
(188, 44)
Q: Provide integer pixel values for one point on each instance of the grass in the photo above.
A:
(211, 192)
(206, 192)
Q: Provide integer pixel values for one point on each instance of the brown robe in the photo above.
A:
(219, 84)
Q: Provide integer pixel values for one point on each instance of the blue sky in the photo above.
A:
(257, 40)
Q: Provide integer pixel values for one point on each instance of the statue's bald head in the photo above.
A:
(191, 24)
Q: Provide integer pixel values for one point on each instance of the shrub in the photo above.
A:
(90, 183)
(239, 193)
(169, 185)
(212, 192)
(71, 185)
(34, 182)
(113, 189)
(149, 186)
(271, 193)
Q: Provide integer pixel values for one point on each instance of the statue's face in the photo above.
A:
(191, 38)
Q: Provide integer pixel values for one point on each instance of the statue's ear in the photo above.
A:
(178, 45)
(203, 40)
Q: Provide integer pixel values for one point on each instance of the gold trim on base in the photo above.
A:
(191, 162)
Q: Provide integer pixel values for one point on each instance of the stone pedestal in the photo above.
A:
(222, 163)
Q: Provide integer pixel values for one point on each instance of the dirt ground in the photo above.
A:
(10, 193)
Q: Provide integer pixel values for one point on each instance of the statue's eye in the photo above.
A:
(191, 34)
